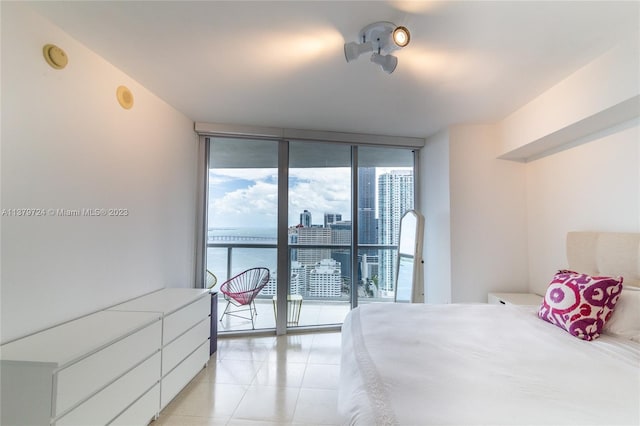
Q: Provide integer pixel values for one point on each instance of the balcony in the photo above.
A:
(312, 313)
(227, 258)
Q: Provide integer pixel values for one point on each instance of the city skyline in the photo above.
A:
(392, 196)
(248, 197)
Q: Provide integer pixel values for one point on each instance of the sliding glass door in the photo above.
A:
(385, 192)
(242, 223)
(342, 204)
(319, 233)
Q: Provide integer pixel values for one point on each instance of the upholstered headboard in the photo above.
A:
(605, 254)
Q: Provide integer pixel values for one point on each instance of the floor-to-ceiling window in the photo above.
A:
(242, 220)
(335, 191)
(385, 192)
(319, 233)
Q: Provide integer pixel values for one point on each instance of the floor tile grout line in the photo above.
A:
(233, 416)
(295, 406)
(264, 351)
(235, 409)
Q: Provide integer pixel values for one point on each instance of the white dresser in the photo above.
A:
(93, 370)
(119, 366)
(185, 334)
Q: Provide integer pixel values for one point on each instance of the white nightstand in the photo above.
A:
(514, 299)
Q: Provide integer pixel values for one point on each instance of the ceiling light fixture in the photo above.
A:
(381, 38)
(401, 36)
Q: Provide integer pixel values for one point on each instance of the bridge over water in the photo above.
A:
(240, 238)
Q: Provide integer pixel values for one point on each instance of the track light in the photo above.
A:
(353, 50)
(387, 62)
(381, 38)
(401, 36)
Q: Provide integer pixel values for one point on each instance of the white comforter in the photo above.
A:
(414, 364)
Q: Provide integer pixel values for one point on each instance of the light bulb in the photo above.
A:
(401, 36)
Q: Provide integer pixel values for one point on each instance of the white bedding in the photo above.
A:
(415, 364)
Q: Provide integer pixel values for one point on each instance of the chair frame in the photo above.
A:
(251, 293)
(212, 280)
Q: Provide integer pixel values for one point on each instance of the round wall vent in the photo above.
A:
(55, 56)
(125, 97)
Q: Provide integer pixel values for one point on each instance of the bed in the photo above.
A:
(495, 364)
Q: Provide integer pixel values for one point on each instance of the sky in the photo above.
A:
(248, 198)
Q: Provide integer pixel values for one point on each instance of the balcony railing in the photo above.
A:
(227, 258)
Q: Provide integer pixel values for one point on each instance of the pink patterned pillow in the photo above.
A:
(579, 303)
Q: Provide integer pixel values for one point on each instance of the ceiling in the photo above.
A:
(281, 63)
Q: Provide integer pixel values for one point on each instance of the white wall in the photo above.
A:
(436, 207)
(590, 181)
(507, 221)
(591, 187)
(475, 213)
(497, 225)
(67, 144)
(488, 216)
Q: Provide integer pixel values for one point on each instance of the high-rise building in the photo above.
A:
(330, 218)
(367, 207)
(271, 288)
(302, 272)
(312, 236)
(305, 219)
(341, 232)
(395, 197)
(292, 235)
(325, 279)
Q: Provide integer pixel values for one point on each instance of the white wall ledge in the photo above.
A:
(600, 95)
(579, 132)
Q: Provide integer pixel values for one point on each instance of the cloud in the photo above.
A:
(249, 197)
(254, 206)
(322, 190)
(218, 180)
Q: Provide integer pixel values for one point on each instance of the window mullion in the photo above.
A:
(354, 227)
(282, 285)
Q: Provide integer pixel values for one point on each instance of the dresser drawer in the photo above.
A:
(178, 322)
(107, 404)
(142, 411)
(83, 378)
(173, 382)
(181, 347)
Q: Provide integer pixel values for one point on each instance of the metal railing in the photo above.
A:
(231, 246)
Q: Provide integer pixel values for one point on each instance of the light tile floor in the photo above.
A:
(284, 380)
